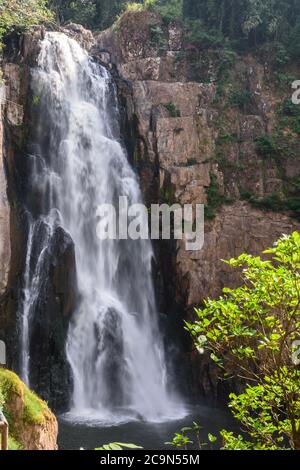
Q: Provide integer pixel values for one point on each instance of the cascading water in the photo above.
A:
(114, 344)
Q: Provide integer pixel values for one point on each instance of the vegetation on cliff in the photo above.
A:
(23, 409)
(252, 334)
(242, 23)
(24, 14)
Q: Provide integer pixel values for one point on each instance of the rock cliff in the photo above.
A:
(210, 129)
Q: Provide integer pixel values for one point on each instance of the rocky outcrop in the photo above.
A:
(50, 374)
(19, 56)
(209, 131)
(32, 426)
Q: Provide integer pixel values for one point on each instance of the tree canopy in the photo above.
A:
(245, 23)
(14, 13)
(249, 22)
(240, 23)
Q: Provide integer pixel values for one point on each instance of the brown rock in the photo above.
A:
(237, 228)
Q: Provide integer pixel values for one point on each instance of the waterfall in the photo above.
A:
(114, 345)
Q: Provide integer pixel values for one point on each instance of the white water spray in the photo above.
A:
(114, 344)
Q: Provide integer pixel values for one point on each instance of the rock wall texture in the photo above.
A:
(201, 123)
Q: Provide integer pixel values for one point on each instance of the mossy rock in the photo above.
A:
(22, 407)
(13, 444)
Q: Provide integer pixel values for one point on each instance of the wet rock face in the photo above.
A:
(50, 373)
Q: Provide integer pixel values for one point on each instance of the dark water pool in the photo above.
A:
(89, 434)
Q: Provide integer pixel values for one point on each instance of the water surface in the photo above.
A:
(151, 436)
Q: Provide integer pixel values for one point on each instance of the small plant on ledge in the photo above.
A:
(171, 108)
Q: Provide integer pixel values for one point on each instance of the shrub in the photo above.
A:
(214, 198)
(169, 11)
(266, 147)
(252, 333)
(241, 99)
(171, 108)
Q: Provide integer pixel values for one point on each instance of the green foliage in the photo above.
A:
(266, 147)
(158, 38)
(35, 410)
(25, 14)
(241, 99)
(100, 14)
(36, 100)
(133, 7)
(1, 400)
(227, 138)
(250, 332)
(289, 116)
(169, 10)
(82, 11)
(270, 412)
(118, 446)
(289, 108)
(188, 436)
(279, 55)
(171, 108)
(292, 203)
(277, 202)
(180, 441)
(238, 25)
(167, 194)
(250, 23)
(13, 444)
(214, 198)
(10, 384)
(197, 34)
(93, 14)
